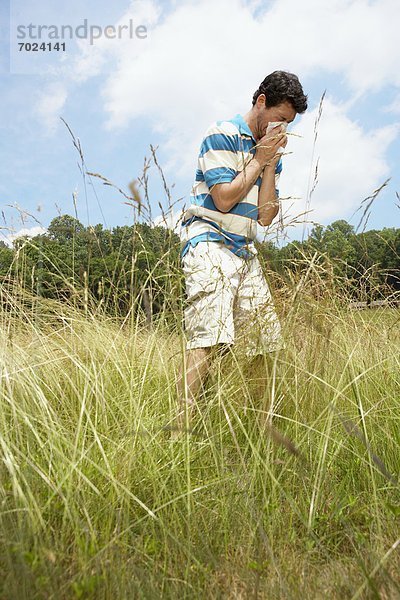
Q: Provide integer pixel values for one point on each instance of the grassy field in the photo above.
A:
(284, 491)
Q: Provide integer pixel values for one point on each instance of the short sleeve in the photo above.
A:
(218, 157)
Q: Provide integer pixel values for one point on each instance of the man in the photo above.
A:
(235, 188)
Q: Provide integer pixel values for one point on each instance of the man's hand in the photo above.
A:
(227, 195)
(267, 148)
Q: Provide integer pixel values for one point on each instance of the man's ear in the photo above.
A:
(261, 101)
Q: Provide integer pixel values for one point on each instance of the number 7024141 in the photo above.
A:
(43, 47)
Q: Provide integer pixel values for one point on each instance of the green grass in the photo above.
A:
(290, 492)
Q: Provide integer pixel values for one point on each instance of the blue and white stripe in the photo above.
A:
(226, 149)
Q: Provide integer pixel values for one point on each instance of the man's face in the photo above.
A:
(283, 113)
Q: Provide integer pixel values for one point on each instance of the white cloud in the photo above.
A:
(354, 37)
(170, 220)
(28, 231)
(203, 60)
(351, 163)
(124, 50)
(198, 65)
(86, 60)
(50, 104)
(394, 107)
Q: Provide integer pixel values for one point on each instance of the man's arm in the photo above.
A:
(226, 195)
(268, 203)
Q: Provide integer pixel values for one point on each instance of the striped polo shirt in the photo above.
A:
(225, 150)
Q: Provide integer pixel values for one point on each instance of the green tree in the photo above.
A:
(6, 258)
(64, 228)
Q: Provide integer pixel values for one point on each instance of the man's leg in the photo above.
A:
(197, 367)
(211, 283)
(257, 324)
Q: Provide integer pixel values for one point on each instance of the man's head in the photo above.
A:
(279, 98)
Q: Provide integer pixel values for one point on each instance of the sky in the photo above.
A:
(172, 69)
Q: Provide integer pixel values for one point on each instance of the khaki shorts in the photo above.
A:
(228, 299)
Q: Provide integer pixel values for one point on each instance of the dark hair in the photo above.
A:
(280, 86)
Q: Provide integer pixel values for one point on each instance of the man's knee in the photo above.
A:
(219, 350)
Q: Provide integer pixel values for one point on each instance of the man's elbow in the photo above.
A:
(218, 196)
(221, 207)
(264, 223)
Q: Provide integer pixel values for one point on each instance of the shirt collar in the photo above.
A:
(242, 125)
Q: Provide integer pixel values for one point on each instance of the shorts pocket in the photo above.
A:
(201, 273)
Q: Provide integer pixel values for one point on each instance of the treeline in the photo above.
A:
(114, 270)
(366, 265)
(131, 266)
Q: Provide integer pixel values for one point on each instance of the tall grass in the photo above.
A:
(284, 488)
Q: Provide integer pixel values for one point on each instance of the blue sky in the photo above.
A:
(201, 61)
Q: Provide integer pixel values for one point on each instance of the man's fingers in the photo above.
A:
(274, 133)
(281, 140)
